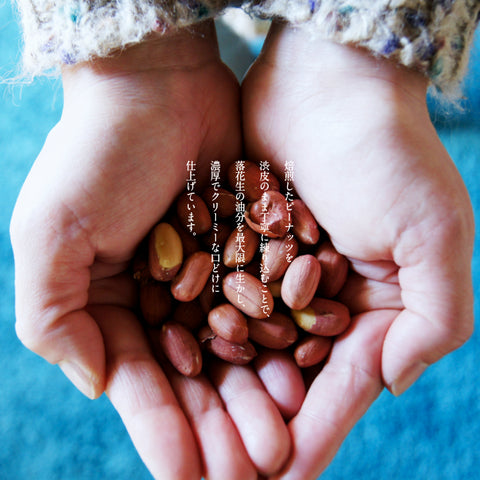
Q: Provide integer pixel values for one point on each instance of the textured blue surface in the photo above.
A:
(49, 431)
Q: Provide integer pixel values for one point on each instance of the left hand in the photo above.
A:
(373, 171)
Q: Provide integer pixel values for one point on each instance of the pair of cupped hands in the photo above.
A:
(368, 163)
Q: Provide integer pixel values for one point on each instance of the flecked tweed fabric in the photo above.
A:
(432, 36)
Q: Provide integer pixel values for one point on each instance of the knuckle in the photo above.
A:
(30, 338)
(453, 334)
(35, 335)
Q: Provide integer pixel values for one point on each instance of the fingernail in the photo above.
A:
(79, 377)
(407, 378)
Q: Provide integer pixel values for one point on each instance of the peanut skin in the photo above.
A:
(217, 236)
(240, 247)
(192, 278)
(277, 331)
(269, 215)
(312, 350)
(228, 351)
(323, 317)
(334, 270)
(300, 281)
(193, 213)
(190, 243)
(220, 201)
(305, 226)
(228, 322)
(253, 184)
(248, 294)
(232, 312)
(278, 255)
(181, 348)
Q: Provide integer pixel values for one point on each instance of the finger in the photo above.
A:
(282, 379)
(254, 414)
(141, 393)
(221, 448)
(436, 284)
(362, 294)
(384, 271)
(119, 290)
(52, 255)
(101, 269)
(339, 396)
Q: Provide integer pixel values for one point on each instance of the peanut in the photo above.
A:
(253, 184)
(181, 348)
(217, 236)
(278, 255)
(228, 322)
(323, 317)
(240, 247)
(277, 331)
(220, 201)
(312, 350)
(269, 215)
(190, 243)
(300, 281)
(165, 253)
(215, 301)
(334, 270)
(248, 294)
(238, 354)
(192, 278)
(305, 227)
(193, 213)
(275, 288)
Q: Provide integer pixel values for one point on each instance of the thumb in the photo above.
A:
(436, 289)
(52, 275)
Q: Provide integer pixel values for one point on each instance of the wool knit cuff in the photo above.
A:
(71, 31)
(430, 36)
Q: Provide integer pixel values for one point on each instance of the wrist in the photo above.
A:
(185, 48)
(330, 66)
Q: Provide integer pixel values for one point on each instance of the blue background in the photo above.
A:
(49, 431)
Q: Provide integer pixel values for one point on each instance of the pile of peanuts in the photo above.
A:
(230, 271)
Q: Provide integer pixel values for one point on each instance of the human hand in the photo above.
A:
(107, 173)
(372, 169)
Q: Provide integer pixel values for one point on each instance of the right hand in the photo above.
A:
(107, 173)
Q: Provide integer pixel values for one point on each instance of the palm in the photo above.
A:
(378, 180)
(155, 170)
(107, 173)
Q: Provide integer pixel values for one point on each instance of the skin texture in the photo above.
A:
(368, 163)
(107, 173)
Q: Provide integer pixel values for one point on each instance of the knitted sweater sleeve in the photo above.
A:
(65, 32)
(431, 36)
